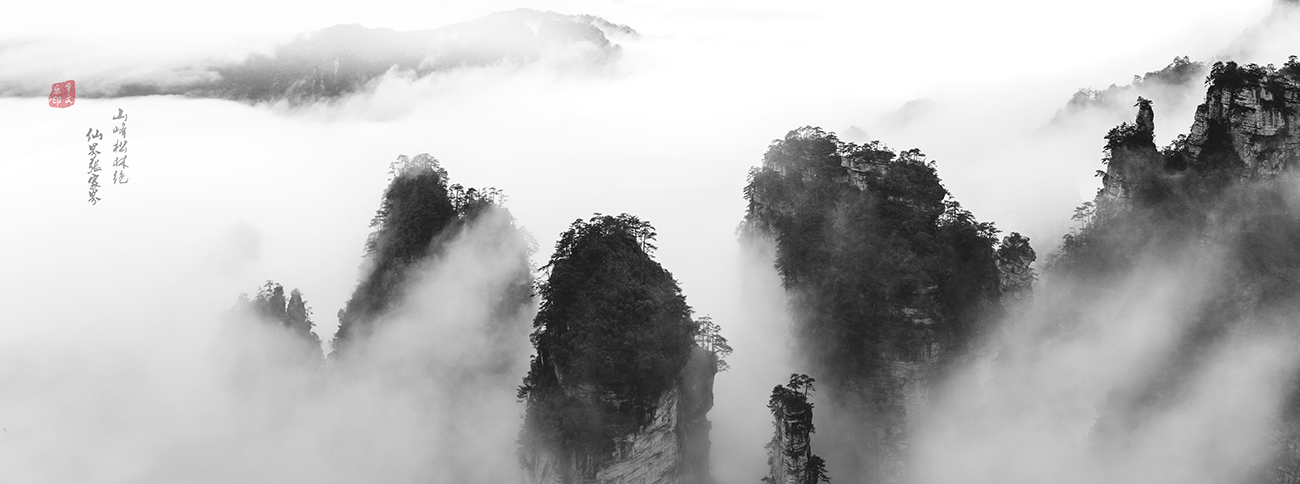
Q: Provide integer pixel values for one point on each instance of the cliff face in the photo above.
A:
(1261, 118)
(789, 454)
(779, 462)
(1252, 115)
(885, 408)
(673, 448)
(1248, 127)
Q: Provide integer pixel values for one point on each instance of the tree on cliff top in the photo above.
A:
(790, 457)
(708, 336)
(612, 335)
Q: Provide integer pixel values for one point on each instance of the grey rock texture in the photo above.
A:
(1252, 111)
(779, 462)
(1262, 118)
(672, 448)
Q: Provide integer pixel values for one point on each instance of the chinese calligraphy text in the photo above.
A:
(119, 163)
(93, 134)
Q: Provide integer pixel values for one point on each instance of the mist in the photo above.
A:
(1085, 401)
(118, 367)
(430, 397)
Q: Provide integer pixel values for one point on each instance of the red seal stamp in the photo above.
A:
(63, 94)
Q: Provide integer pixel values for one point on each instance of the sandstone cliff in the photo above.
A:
(789, 454)
(1248, 127)
(673, 448)
(1259, 111)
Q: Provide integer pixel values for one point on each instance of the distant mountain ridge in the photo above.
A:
(1177, 85)
(337, 61)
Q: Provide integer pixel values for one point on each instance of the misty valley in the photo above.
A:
(557, 285)
(913, 320)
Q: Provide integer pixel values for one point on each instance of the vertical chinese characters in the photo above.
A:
(119, 163)
(93, 134)
(119, 160)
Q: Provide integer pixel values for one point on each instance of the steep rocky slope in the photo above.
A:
(622, 382)
(1259, 110)
(891, 282)
(790, 459)
(1248, 128)
(671, 448)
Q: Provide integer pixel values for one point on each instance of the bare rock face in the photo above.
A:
(651, 456)
(783, 466)
(790, 459)
(1262, 118)
(673, 448)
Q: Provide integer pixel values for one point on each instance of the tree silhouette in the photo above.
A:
(709, 337)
